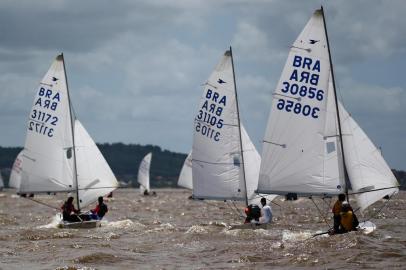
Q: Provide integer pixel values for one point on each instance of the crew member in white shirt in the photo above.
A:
(266, 212)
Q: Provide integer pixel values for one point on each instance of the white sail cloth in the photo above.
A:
(366, 167)
(301, 150)
(217, 170)
(216, 160)
(143, 173)
(46, 163)
(16, 172)
(1, 181)
(185, 176)
(95, 177)
(48, 157)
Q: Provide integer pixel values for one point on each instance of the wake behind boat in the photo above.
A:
(59, 155)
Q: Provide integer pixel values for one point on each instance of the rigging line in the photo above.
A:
(271, 201)
(39, 202)
(325, 220)
(383, 206)
(217, 163)
(236, 209)
(372, 190)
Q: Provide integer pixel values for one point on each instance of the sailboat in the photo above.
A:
(1, 182)
(312, 146)
(59, 155)
(143, 174)
(185, 176)
(16, 172)
(225, 163)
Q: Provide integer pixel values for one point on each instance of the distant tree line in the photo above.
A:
(124, 160)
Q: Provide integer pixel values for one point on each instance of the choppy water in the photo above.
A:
(171, 232)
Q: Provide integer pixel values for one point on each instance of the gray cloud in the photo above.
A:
(135, 68)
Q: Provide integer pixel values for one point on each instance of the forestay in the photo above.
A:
(217, 171)
(366, 167)
(143, 173)
(47, 159)
(300, 150)
(95, 177)
(185, 176)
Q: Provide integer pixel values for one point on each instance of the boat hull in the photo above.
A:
(80, 225)
(250, 226)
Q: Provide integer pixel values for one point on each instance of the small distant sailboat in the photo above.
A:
(1, 182)
(312, 145)
(16, 173)
(59, 155)
(225, 163)
(143, 174)
(185, 176)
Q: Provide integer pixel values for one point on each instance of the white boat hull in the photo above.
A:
(80, 225)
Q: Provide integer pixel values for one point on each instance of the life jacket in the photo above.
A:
(253, 212)
(347, 220)
(337, 208)
(101, 210)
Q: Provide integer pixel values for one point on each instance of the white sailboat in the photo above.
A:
(251, 165)
(185, 176)
(16, 173)
(1, 182)
(143, 174)
(59, 155)
(225, 163)
(302, 149)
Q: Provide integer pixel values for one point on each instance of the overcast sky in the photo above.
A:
(135, 68)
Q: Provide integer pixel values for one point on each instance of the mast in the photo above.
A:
(239, 131)
(72, 120)
(337, 109)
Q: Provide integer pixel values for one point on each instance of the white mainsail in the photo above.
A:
(16, 172)
(185, 176)
(217, 170)
(95, 177)
(302, 151)
(46, 164)
(366, 167)
(143, 173)
(48, 156)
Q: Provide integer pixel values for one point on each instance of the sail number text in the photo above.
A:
(42, 120)
(301, 85)
(208, 120)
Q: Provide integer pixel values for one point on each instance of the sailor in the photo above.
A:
(253, 213)
(348, 220)
(100, 210)
(69, 213)
(336, 212)
(266, 212)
